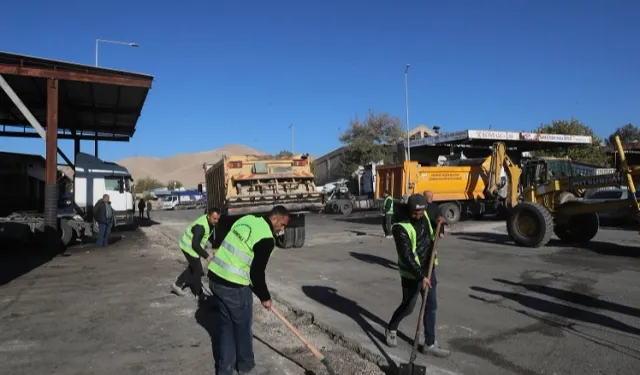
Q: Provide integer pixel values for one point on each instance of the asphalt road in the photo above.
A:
(501, 309)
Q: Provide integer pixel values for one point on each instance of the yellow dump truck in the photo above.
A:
(460, 188)
(250, 184)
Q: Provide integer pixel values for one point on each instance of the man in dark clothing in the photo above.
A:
(414, 237)
(237, 269)
(141, 206)
(103, 215)
(387, 211)
(192, 244)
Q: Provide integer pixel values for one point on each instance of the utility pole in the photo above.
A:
(293, 139)
(406, 99)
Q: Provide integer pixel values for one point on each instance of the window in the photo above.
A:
(112, 183)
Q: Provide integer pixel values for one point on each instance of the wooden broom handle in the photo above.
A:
(295, 331)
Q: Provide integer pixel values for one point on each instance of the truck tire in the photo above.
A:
(66, 232)
(530, 224)
(299, 237)
(578, 229)
(451, 212)
(346, 207)
(286, 241)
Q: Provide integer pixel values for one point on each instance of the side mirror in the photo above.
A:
(199, 188)
(121, 188)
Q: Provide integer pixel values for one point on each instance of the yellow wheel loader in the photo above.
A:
(544, 197)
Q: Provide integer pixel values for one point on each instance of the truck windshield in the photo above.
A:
(114, 183)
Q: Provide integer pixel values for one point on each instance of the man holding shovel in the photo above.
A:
(414, 238)
(235, 271)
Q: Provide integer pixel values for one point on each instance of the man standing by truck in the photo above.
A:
(103, 215)
(387, 210)
(414, 238)
(192, 245)
(237, 269)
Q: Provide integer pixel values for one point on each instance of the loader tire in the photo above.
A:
(450, 212)
(530, 224)
(577, 229)
(299, 237)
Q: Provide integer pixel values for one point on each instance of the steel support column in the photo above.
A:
(96, 149)
(51, 169)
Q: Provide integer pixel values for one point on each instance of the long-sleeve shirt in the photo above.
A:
(198, 233)
(433, 210)
(404, 247)
(261, 253)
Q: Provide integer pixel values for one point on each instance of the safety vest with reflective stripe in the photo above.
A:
(402, 268)
(384, 204)
(233, 259)
(187, 237)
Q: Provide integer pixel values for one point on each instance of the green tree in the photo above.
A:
(146, 183)
(174, 184)
(591, 154)
(284, 153)
(366, 141)
(628, 134)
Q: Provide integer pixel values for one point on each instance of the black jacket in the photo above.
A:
(100, 212)
(198, 233)
(424, 243)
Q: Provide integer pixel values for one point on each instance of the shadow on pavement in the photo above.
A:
(599, 247)
(558, 309)
(575, 298)
(374, 259)
(366, 220)
(144, 222)
(329, 297)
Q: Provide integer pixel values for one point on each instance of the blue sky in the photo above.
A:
(241, 72)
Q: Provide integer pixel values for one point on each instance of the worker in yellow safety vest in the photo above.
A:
(414, 237)
(192, 244)
(237, 269)
(387, 212)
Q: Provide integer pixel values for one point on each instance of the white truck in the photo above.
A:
(92, 179)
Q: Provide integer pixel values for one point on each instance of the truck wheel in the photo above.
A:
(530, 224)
(66, 232)
(450, 212)
(578, 229)
(299, 237)
(286, 241)
(346, 207)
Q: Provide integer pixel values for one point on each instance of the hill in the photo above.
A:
(186, 168)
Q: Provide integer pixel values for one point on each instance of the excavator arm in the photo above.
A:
(499, 160)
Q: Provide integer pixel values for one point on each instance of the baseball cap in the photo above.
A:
(417, 202)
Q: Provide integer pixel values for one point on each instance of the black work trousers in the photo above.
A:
(386, 224)
(192, 275)
(410, 289)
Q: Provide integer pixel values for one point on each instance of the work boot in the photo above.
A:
(391, 337)
(434, 350)
(177, 290)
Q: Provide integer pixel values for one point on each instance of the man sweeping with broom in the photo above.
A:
(414, 237)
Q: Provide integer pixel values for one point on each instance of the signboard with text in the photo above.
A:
(494, 135)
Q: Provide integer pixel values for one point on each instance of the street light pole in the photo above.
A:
(406, 100)
(293, 139)
(113, 42)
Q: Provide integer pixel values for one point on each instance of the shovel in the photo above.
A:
(306, 342)
(411, 368)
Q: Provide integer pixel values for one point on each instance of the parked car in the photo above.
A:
(616, 214)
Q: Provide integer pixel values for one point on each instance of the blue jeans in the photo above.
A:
(104, 230)
(410, 290)
(233, 335)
